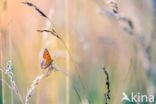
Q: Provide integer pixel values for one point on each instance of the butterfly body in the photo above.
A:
(47, 59)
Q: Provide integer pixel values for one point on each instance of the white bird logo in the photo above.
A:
(125, 97)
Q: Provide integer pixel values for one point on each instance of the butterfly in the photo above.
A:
(47, 59)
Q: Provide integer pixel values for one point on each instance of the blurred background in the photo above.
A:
(93, 37)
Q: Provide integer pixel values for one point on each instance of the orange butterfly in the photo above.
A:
(47, 60)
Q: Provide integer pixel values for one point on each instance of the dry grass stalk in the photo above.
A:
(114, 5)
(38, 80)
(53, 32)
(53, 29)
(114, 13)
(36, 8)
(107, 93)
(10, 74)
(13, 86)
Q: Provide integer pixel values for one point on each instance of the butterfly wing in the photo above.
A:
(47, 60)
(45, 64)
(42, 65)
